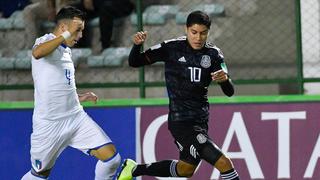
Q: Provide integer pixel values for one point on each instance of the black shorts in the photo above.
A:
(191, 140)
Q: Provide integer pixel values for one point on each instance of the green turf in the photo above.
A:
(164, 101)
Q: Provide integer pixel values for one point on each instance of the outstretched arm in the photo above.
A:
(224, 81)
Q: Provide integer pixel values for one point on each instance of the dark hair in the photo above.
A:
(198, 17)
(69, 12)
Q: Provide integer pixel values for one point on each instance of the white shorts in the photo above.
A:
(50, 138)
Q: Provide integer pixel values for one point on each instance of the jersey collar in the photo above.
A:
(64, 46)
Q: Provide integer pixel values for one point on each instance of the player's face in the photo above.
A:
(197, 35)
(77, 36)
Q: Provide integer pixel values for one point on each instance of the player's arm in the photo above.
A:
(48, 47)
(137, 59)
(88, 96)
(220, 75)
(150, 56)
(222, 78)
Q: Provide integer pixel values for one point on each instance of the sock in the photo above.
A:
(166, 168)
(230, 175)
(106, 170)
(29, 176)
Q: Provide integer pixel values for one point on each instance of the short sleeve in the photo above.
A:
(218, 60)
(223, 65)
(42, 39)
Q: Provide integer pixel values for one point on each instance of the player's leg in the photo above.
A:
(109, 161)
(104, 152)
(92, 140)
(48, 140)
(165, 168)
(33, 175)
(213, 155)
(185, 167)
(195, 139)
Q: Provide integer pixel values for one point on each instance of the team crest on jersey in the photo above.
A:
(38, 164)
(205, 61)
(201, 138)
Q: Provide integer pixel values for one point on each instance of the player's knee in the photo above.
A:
(210, 153)
(104, 153)
(185, 173)
(223, 164)
(185, 169)
(114, 161)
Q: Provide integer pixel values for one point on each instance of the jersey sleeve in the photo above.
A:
(227, 86)
(41, 40)
(157, 53)
(150, 56)
(223, 65)
(219, 61)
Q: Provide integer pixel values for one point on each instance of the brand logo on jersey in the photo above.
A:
(179, 146)
(193, 151)
(205, 61)
(182, 59)
(38, 164)
(201, 138)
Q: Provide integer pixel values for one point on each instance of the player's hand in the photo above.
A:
(139, 37)
(219, 76)
(88, 96)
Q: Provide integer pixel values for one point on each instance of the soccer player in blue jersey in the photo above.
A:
(191, 63)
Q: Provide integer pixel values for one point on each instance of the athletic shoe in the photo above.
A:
(127, 168)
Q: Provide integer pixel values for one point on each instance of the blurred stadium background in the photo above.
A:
(271, 47)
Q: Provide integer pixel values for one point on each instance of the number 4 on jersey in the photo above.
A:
(68, 75)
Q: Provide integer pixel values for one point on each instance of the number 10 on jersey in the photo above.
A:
(195, 74)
